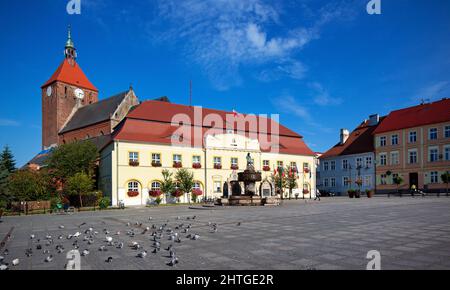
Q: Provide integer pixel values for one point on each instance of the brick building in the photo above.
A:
(71, 109)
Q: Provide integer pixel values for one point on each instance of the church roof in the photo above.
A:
(151, 122)
(94, 113)
(71, 74)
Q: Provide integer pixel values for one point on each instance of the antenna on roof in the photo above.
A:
(423, 101)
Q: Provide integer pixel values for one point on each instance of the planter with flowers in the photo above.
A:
(351, 193)
(156, 196)
(177, 194)
(305, 191)
(156, 164)
(266, 168)
(132, 193)
(369, 193)
(177, 165)
(196, 193)
(234, 167)
(306, 170)
(217, 166)
(133, 163)
(196, 166)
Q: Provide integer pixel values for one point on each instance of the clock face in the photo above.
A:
(79, 94)
(49, 91)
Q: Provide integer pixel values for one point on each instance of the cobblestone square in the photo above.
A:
(335, 233)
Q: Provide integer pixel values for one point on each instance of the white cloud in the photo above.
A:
(322, 97)
(9, 123)
(436, 90)
(222, 36)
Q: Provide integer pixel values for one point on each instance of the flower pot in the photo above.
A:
(370, 194)
(351, 194)
(132, 193)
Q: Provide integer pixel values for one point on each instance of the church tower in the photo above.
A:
(67, 90)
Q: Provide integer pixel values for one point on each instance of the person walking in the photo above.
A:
(413, 190)
(317, 195)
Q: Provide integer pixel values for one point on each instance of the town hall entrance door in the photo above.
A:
(414, 179)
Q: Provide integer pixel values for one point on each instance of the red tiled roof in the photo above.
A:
(71, 74)
(426, 114)
(151, 122)
(359, 141)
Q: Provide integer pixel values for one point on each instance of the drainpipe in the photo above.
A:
(117, 171)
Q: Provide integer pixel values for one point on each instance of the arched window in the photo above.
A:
(156, 185)
(197, 185)
(133, 186)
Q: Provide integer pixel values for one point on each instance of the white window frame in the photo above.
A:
(176, 159)
(436, 150)
(433, 133)
(345, 164)
(395, 160)
(333, 182)
(368, 161)
(383, 159)
(447, 131)
(133, 186)
(411, 134)
(333, 165)
(326, 166)
(410, 155)
(447, 153)
(196, 159)
(394, 137)
(133, 156)
(383, 141)
(156, 157)
(434, 175)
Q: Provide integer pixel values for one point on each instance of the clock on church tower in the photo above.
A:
(67, 90)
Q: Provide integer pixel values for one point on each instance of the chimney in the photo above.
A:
(374, 119)
(344, 135)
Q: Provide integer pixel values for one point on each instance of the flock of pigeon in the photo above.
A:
(86, 238)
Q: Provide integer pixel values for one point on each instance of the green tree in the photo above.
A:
(70, 159)
(185, 180)
(291, 180)
(398, 180)
(446, 179)
(278, 179)
(167, 184)
(7, 160)
(80, 184)
(29, 185)
(4, 192)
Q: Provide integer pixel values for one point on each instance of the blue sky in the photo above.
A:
(322, 65)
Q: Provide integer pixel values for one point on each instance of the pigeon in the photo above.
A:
(102, 249)
(46, 251)
(69, 237)
(150, 218)
(142, 254)
(77, 234)
(38, 247)
(239, 223)
(60, 249)
(91, 241)
(128, 224)
(178, 217)
(2, 258)
(173, 262)
(32, 237)
(169, 248)
(172, 253)
(109, 239)
(3, 267)
(48, 237)
(60, 237)
(195, 237)
(154, 251)
(61, 226)
(85, 253)
(81, 225)
(29, 252)
(49, 259)
(15, 262)
(6, 252)
(109, 260)
(120, 245)
(118, 233)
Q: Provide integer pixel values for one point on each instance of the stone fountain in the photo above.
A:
(249, 177)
